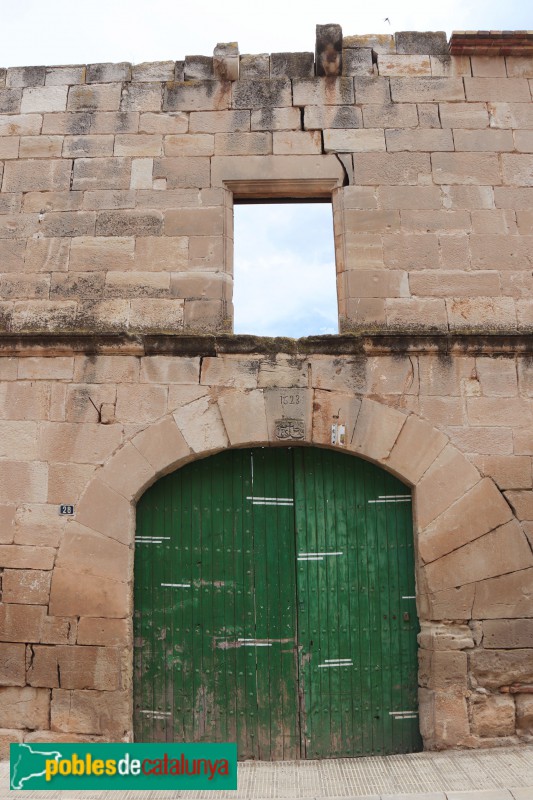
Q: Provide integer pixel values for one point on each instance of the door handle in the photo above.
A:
(406, 616)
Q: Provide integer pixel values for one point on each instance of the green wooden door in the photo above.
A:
(274, 606)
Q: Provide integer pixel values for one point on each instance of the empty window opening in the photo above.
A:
(284, 269)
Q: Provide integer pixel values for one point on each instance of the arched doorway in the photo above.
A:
(274, 606)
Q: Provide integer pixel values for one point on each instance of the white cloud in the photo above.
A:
(284, 270)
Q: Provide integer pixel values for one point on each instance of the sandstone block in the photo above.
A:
(81, 443)
(443, 671)
(448, 478)
(394, 64)
(426, 89)
(328, 50)
(141, 97)
(493, 715)
(7, 737)
(105, 97)
(35, 147)
(201, 425)
(39, 99)
(30, 175)
(464, 115)
(88, 595)
(376, 430)
(156, 315)
(322, 92)
(25, 76)
(506, 596)
(409, 197)
(26, 586)
(12, 664)
(375, 283)
(10, 101)
(20, 124)
(85, 551)
(453, 603)
(24, 707)
(517, 170)
(507, 471)
(390, 115)
(104, 632)
(101, 173)
(182, 173)
(524, 714)
(343, 141)
(455, 284)
(47, 255)
(357, 62)
(104, 122)
(443, 718)
(295, 406)
(21, 623)
(21, 478)
(204, 95)
(507, 633)
(226, 168)
(194, 222)
(450, 66)
(138, 145)
(91, 712)
(244, 417)
(484, 140)
(254, 67)
(243, 144)
(390, 168)
(418, 140)
(292, 65)
(333, 408)
(129, 223)
(502, 550)
(74, 667)
(465, 168)
(475, 313)
(297, 142)
(380, 43)
(108, 73)
(65, 75)
(512, 90)
(162, 445)
(150, 71)
(488, 67)
(163, 123)
(101, 253)
(494, 668)
(86, 146)
(415, 449)
(105, 511)
(320, 117)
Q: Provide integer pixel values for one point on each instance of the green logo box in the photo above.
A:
(123, 766)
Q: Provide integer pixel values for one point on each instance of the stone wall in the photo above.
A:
(116, 282)
(115, 201)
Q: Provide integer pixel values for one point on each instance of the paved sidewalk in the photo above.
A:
(496, 774)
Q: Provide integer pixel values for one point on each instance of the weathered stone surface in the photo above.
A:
(106, 713)
(506, 596)
(429, 42)
(453, 603)
(449, 636)
(478, 511)
(502, 550)
(493, 715)
(104, 632)
(244, 417)
(448, 478)
(443, 718)
(508, 633)
(494, 668)
(443, 671)
(8, 737)
(328, 50)
(162, 444)
(24, 707)
(26, 586)
(524, 714)
(292, 65)
(12, 664)
(74, 667)
(87, 595)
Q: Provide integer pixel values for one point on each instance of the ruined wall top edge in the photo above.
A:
(265, 65)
